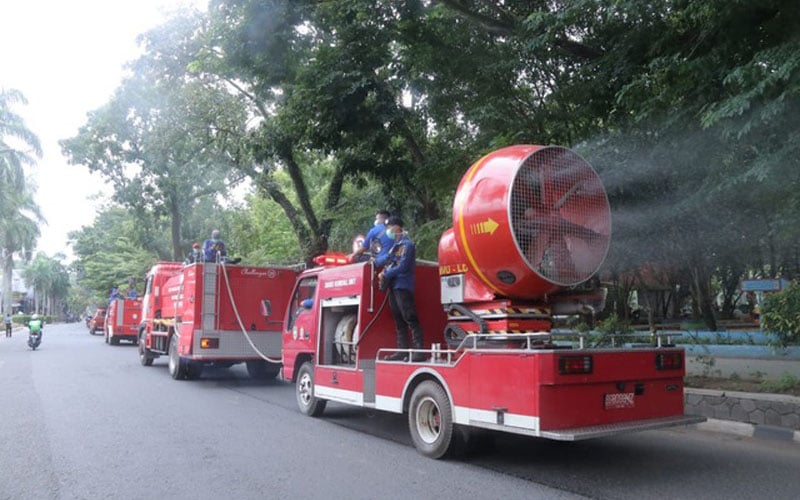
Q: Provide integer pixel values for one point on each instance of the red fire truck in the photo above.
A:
(531, 226)
(122, 320)
(214, 313)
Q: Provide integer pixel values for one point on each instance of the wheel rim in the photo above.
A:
(141, 348)
(305, 389)
(429, 420)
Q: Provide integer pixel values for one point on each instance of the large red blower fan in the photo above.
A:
(527, 221)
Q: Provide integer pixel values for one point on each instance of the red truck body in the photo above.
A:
(531, 226)
(527, 384)
(122, 321)
(210, 313)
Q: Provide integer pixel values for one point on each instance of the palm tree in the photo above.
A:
(19, 214)
(19, 229)
(50, 282)
(13, 126)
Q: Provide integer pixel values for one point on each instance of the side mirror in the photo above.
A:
(266, 308)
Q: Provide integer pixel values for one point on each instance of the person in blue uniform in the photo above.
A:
(377, 243)
(214, 248)
(398, 278)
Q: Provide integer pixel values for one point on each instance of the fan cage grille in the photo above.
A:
(560, 216)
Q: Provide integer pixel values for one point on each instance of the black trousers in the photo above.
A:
(404, 312)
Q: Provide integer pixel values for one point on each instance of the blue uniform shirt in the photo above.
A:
(210, 249)
(402, 261)
(377, 236)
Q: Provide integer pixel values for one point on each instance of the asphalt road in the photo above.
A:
(81, 419)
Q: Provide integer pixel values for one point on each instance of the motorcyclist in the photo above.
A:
(36, 325)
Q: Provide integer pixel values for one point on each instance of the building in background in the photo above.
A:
(21, 295)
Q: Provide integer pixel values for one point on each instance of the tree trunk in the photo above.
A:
(8, 270)
(702, 289)
(175, 216)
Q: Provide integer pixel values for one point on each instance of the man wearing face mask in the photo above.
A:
(398, 277)
(376, 243)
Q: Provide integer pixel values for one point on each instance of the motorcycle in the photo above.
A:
(34, 339)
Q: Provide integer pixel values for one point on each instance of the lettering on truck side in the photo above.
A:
(340, 283)
(454, 269)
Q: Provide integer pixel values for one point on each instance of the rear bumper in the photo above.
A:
(596, 431)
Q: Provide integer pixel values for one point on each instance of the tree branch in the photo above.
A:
(487, 23)
(300, 187)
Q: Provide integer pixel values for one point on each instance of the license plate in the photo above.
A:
(618, 401)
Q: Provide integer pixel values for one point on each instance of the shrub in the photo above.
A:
(24, 319)
(781, 315)
(786, 383)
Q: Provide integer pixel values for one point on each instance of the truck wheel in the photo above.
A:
(145, 358)
(177, 367)
(308, 403)
(113, 341)
(193, 370)
(105, 334)
(262, 370)
(430, 421)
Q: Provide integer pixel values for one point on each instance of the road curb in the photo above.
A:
(750, 430)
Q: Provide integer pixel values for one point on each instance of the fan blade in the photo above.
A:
(536, 250)
(578, 231)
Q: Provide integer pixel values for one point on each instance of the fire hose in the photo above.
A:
(239, 319)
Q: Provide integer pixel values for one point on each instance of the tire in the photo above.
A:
(177, 367)
(194, 370)
(105, 335)
(113, 341)
(306, 400)
(145, 358)
(262, 370)
(430, 421)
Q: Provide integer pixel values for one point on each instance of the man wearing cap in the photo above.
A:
(398, 278)
(196, 255)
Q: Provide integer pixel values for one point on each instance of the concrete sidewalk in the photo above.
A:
(758, 415)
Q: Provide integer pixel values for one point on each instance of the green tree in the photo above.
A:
(163, 142)
(50, 281)
(19, 214)
(13, 135)
(108, 252)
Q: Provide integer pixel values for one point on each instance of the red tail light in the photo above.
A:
(572, 365)
(669, 361)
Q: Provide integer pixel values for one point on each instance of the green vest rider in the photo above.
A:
(35, 324)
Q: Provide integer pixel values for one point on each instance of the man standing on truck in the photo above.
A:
(196, 255)
(214, 248)
(377, 242)
(398, 278)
